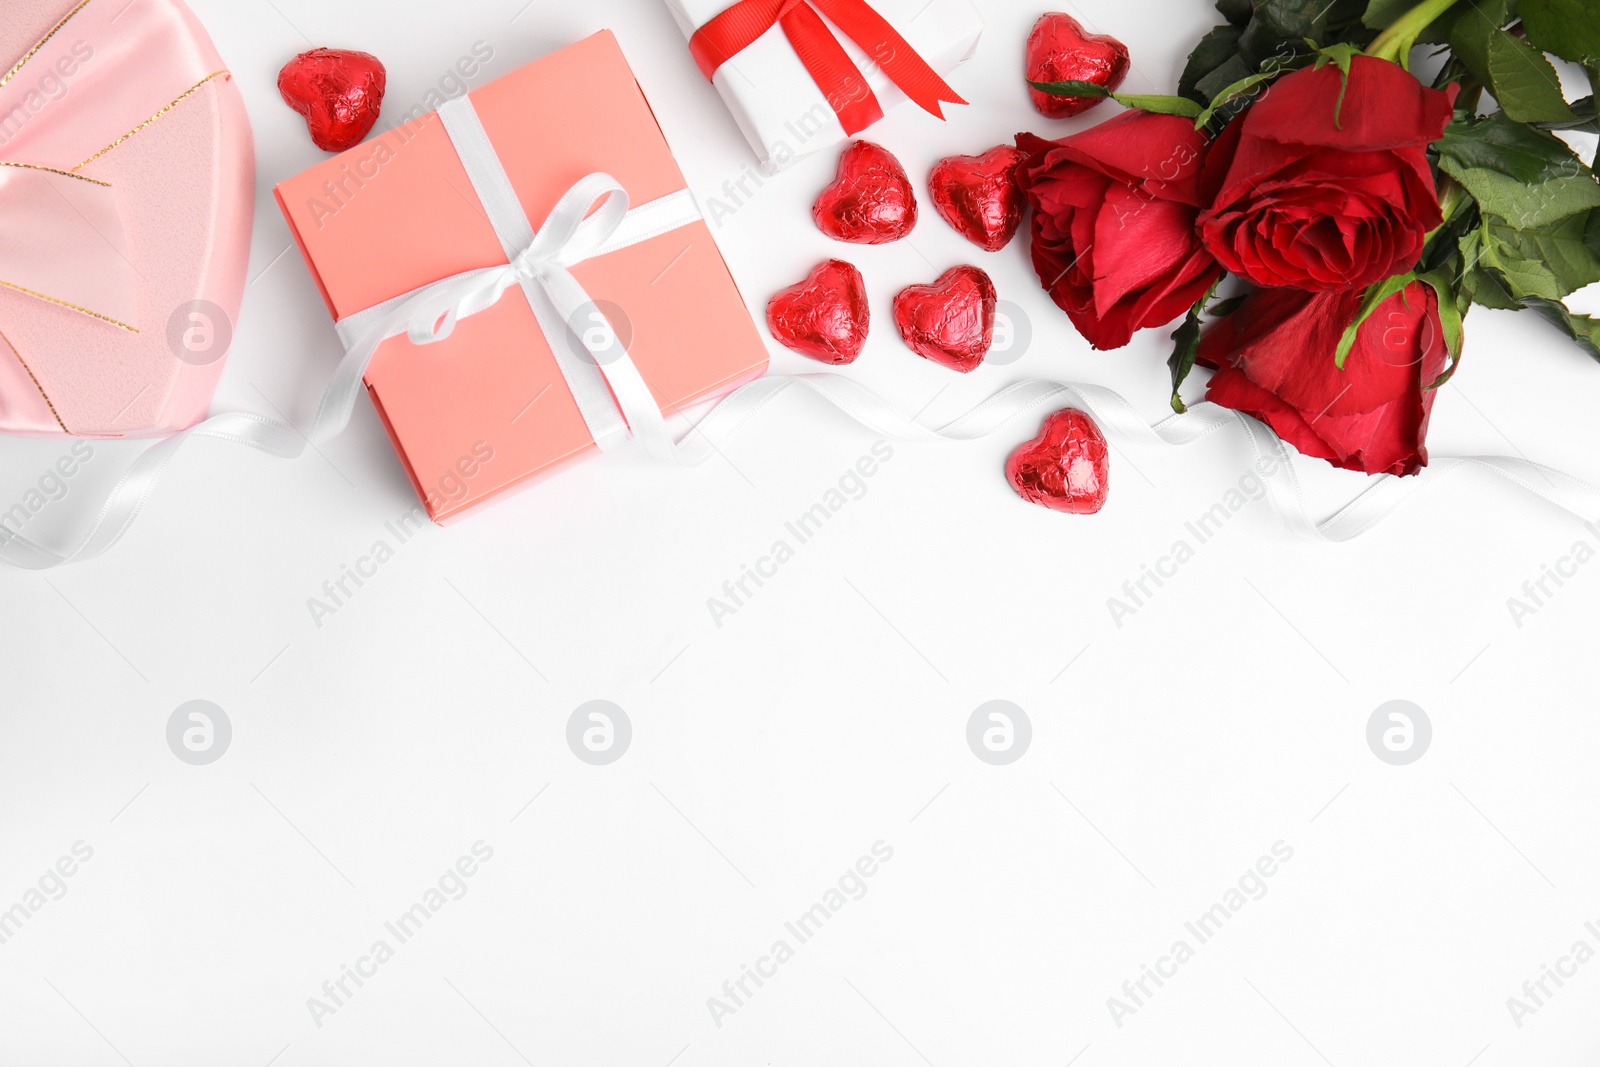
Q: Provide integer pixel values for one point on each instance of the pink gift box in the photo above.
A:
(129, 107)
(486, 411)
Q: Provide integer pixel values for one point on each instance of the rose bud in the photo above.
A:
(1307, 191)
(1114, 211)
(1275, 361)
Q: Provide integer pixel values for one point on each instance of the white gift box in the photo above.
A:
(784, 114)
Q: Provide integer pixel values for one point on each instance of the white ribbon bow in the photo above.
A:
(593, 219)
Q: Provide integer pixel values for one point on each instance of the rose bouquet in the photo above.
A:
(1366, 205)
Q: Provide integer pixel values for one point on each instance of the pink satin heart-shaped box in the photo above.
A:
(127, 192)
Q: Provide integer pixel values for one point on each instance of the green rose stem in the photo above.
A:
(1395, 43)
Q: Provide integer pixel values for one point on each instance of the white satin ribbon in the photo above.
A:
(594, 218)
(1114, 414)
(1120, 422)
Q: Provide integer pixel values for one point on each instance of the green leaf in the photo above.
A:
(1593, 71)
(1450, 319)
(1238, 12)
(1185, 347)
(1479, 282)
(1291, 19)
(1484, 287)
(1524, 82)
(1223, 308)
(1548, 262)
(1281, 27)
(1186, 340)
(1381, 14)
(1567, 28)
(1584, 119)
(1525, 176)
(1161, 105)
(1238, 90)
(1474, 23)
(1581, 328)
(1071, 88)
(1511, 270)
(1234, 70)
(1443, 250)
(1214, 49)
(1376, 295)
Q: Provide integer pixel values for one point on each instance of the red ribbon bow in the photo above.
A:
(830, 66)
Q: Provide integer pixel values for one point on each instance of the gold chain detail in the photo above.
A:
(73, 174)
(74, 307)
(36, 385)
(42, 42)
(196, 87)
(53, 170)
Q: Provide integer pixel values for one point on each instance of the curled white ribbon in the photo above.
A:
(595, 218)
(1115, 415)
(1121, 422)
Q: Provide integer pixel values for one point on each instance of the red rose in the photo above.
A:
(1301, 197)
(1275, 360)
(1114, 213)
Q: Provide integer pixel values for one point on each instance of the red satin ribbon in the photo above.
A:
(830, 66)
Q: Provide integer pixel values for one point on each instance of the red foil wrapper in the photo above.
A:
(826, 316)
(951, 321)
(339, 93)
(871, 201)
(1066, 467)
(1059, 50)
(979, 195)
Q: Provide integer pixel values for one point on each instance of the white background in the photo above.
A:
(827, 714)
